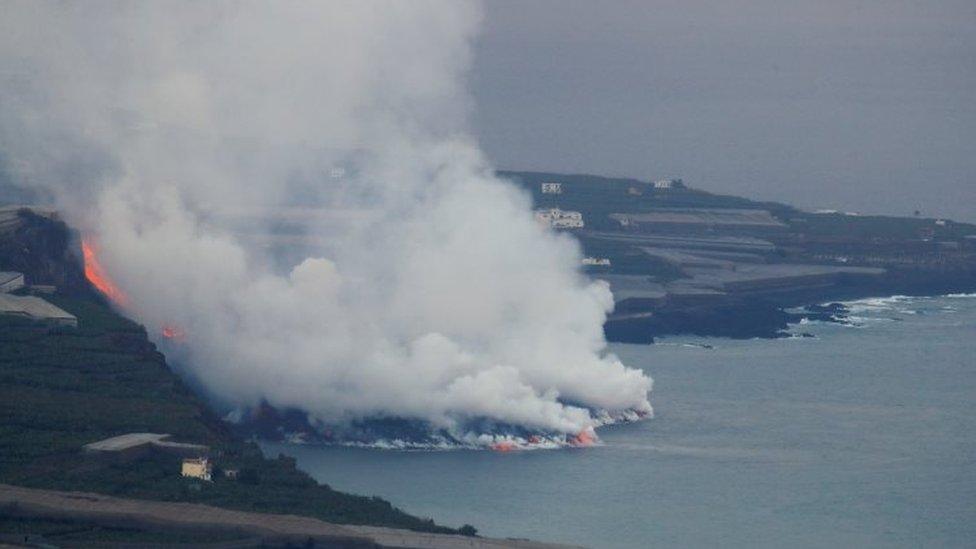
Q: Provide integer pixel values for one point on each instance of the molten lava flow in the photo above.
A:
(96, 275)
(173, 332)
(586, 437)
(504, 446)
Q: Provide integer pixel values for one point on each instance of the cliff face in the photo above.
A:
(42, 247)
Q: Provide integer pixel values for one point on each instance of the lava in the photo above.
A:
(97, 276)
(504, 446)
(586, 437)
(174, 333)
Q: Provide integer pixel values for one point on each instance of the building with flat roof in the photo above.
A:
(200, 468)
(559, 219)
(132, 446)
(34, 308)
(596, 261)
(668, 184)
(552, 188)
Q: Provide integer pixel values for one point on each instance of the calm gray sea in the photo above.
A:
(863, 436)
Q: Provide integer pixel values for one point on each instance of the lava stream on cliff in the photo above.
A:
(95, 274)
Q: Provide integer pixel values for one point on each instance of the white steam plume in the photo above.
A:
(431, 294)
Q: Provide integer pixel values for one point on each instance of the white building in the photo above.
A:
(10, 281)
(597, 261)
(664, 184)
(559, 219)
(200, 468)
(552, 188)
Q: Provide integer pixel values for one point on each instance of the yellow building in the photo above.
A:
(198, 468)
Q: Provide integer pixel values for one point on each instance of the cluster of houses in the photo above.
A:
(554, 217)
(557, 218)
(552, 187)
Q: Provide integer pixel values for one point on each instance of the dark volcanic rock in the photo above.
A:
(738, 320)
(46, 251)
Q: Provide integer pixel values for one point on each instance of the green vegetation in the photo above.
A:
(863, 227)
(598, 197)
(904, 244)
(628, 259)
(61, 388)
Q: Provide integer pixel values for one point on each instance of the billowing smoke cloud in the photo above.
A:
(182, 137)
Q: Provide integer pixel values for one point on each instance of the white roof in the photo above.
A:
(33, 307)
(123, 442)
(133, 440)
(7, 276)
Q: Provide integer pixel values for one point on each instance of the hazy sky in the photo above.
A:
(858, 105)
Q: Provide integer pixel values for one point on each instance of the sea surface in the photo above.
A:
(861, 436)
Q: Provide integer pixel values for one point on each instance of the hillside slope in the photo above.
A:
(682, 260)
(61, 388)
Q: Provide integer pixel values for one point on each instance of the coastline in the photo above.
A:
(767, 316)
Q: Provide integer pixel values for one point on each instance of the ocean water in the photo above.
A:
(862, 436)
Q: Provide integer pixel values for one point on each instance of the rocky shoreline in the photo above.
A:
(769, 316)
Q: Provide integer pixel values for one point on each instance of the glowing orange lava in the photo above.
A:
(586, 437)
(173, 332)
(504, 446)
(97, 276)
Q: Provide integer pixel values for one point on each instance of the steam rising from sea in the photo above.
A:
(430, 294)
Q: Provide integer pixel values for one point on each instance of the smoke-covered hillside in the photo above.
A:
(448, 305)
(63, 388)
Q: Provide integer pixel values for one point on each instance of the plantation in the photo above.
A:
(61, 388)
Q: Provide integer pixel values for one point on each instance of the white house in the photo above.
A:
(597, 261)
(559, 219)
(552, 188)
(200, 468)
(663, 183)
